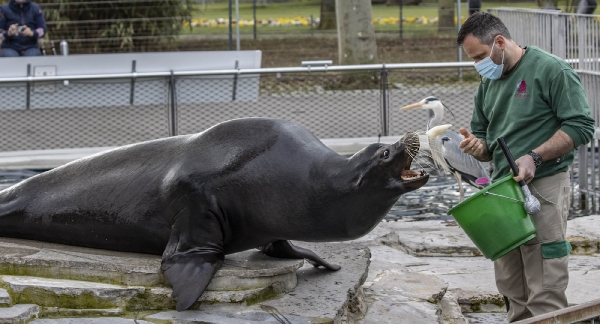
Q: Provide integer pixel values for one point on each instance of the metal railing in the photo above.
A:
(566, 35)
(331, 101)
(576, 39)
(110, 26)
(588, 311)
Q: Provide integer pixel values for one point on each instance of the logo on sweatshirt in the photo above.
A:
(522, 90)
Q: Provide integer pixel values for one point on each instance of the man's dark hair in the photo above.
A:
(484, 27)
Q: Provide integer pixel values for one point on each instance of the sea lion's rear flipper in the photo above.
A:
(191, 258)
(286, 250)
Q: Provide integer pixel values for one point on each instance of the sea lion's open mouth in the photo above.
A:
(408, 175)
(411, 144)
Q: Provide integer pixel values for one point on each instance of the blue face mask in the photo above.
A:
(488, 69)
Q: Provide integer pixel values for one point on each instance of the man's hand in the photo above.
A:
(526, 168)
(27, 32)
(474, 146)
(12, 30)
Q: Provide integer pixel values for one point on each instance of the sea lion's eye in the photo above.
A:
(386, 154)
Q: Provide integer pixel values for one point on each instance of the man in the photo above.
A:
(474, 6)
(21, 24)
(587, 7)
(536, 102)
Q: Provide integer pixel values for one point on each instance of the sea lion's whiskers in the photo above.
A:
(426, 163)
(413, 149)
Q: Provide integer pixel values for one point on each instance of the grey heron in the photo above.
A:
(446, 151)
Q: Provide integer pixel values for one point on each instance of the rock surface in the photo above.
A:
(401, 272)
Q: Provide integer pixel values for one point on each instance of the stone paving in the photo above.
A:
(401, 272)
(441, 253)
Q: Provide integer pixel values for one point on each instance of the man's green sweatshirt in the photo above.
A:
(542, 95)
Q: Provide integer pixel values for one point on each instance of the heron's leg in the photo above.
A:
(461, 195)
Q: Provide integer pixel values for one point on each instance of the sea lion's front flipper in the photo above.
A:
(193, 255)
(285, 249)
(190, 274)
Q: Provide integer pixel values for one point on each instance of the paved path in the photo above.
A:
(401, 272)
(455, 283)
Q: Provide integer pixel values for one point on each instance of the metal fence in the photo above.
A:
(332, 102)
(130, 25)
(576, 39)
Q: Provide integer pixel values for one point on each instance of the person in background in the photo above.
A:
(21, 24)
(474, 6)
(534, 100)
(587, 7)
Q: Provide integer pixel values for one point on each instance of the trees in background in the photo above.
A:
(116, 26)
(356, 35)
(328, 20)
(446, 15)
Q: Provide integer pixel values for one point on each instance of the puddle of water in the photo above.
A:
(10, 177)
(430, 202)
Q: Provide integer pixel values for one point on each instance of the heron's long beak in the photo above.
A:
(437, 131)
(415, 105)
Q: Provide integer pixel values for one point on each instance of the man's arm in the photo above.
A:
(40, 22)
(577, 126)
(3, 29)
(558, 145)
(475, 146)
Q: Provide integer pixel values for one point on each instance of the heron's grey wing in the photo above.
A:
(458, 161)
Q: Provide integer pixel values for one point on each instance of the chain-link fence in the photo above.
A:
(153, 25)
(156, 25)
(342, 104)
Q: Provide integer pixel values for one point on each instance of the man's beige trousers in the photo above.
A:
(534, 276)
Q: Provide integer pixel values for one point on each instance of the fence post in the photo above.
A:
(458, 25)
(173, 106)
(583, 181)
(132, 86)
(235, 81)
(384, 102)
(28, 95)
(400, 14)
(254, 14)
(230, 26)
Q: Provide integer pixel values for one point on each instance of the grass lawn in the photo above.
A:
(304, 9)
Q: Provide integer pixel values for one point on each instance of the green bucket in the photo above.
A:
(494, 218)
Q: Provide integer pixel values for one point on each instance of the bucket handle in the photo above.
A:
(494, 194)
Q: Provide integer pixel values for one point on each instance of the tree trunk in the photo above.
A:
(446, 15)
(356, 34)
(328, 20)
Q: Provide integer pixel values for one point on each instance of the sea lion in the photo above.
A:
(241, 184)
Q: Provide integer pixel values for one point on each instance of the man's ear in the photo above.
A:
(500, 42)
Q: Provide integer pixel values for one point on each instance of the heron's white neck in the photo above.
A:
(438, 115)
